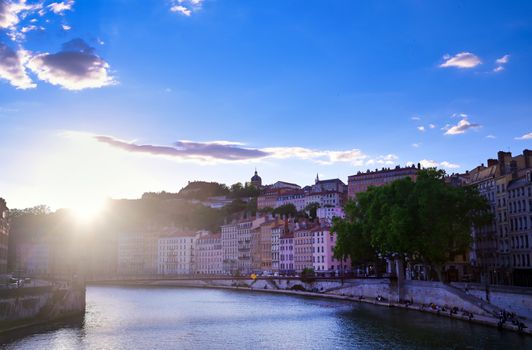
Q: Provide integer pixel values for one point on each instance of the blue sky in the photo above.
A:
(95, 94)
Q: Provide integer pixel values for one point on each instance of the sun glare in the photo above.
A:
(86, 210)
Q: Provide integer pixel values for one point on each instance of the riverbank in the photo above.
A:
(477, 317)
(25, 308)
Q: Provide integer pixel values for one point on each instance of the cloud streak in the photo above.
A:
(225, 151)
(525, 137)
(428, 163)
(462, 60)
(462, 127)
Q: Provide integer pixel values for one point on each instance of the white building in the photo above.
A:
(229, 247)
(176, 254)
(137, 252)
(328, 213)
(209, 255)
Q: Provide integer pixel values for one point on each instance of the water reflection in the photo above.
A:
(187, 318)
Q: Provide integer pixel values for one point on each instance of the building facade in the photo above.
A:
(175, 254)
(361, 181)
(4, 236)
(501, 251)
(137, 252)
(286, 253)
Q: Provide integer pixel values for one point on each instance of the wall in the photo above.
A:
(513, 299)
(24, 306)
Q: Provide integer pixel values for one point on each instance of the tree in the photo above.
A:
(287, 210)
(312, 210)
(426, 220)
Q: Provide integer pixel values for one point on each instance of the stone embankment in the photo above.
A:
(432, 297)
(31, 306)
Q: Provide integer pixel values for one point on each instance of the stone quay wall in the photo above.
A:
(23, 307)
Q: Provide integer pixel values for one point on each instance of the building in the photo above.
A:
(295, 197)
(277, 231)
(175, 254)
(501, 251)
(323, 243)
(303, 256)
(331, 185)
(138, 252)
(256, 180)
(361, 181)
(236, 244)
(284, 185)
(327, 214)
(4, 236)
(33, 258)
(286, 253)
(229, 247)
(209, 255)
(243, 235)
(519, 245)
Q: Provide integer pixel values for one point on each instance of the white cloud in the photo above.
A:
(415, 118)
(10, 12)
(30, 28)
(421, 128)
(389, 159)
(416, 145)
(503, 60)
(181, 9)
(525, 137)
(66, 27)
(459, 115)
(460, 128)
(230, 151)
(60, 7)
(12, 67)
(428, 163)
(490, 136)
(500, 63)
(76, 67)
(353, 156)
(432, 126)
(461, 60)
(186, 7)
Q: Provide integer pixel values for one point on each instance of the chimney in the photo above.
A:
(527, 154)
(504, 161)
(492, 162)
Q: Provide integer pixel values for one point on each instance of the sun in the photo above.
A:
(87, 209)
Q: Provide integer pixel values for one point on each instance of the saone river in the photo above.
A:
(188, 318)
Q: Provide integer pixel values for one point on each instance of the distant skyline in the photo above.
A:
(115, 98)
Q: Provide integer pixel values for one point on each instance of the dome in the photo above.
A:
(256, 177)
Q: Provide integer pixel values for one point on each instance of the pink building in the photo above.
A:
(323, 243)
(286, 253)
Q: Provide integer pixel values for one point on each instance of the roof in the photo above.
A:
(331, 180)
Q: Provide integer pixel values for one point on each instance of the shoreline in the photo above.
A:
(477, 319)
(23, 327)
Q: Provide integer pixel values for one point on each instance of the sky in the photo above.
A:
(114, 98)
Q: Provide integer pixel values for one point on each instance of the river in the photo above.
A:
(187, 318)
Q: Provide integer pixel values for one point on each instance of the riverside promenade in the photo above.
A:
(455, 301)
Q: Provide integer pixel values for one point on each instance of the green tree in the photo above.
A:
(426, 220)
(287, 210)
(312, 210)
